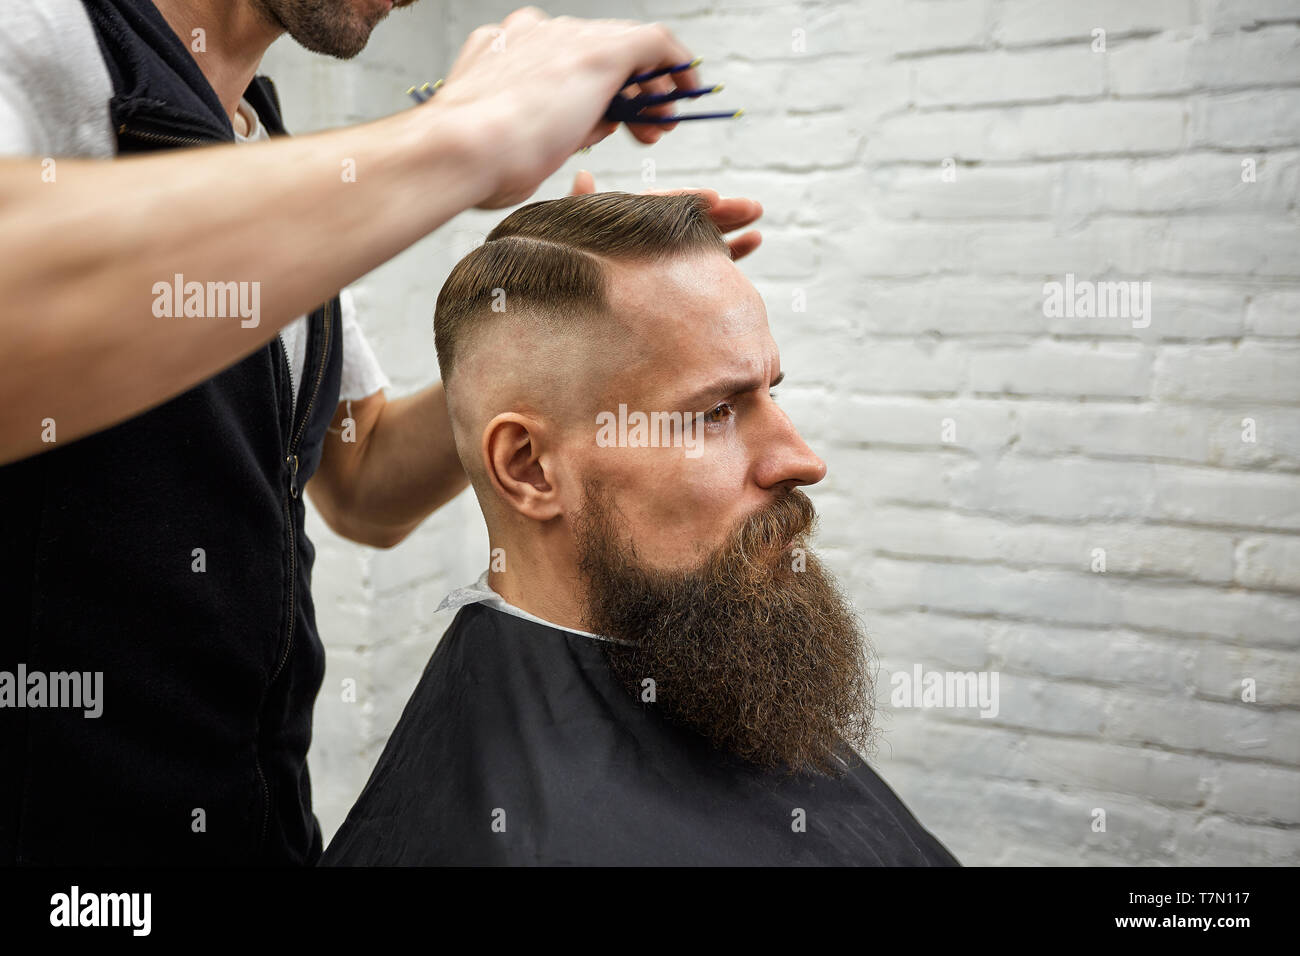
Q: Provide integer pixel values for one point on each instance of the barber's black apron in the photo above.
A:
(209, 676)
(519, 747)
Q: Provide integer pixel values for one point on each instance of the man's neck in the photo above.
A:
(541, 584)
(235, 36)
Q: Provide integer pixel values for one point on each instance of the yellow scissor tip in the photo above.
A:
(737, 113)
(696, 62)
(716, 89)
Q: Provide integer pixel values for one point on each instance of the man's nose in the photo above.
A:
(786, 458)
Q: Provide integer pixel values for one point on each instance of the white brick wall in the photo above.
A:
(1118, 690)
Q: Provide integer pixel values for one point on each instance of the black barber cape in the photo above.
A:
(518, 747)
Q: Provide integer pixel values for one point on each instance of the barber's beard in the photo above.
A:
(765, 660)
(338, 28)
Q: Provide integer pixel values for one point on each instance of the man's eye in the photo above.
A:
(719, 414)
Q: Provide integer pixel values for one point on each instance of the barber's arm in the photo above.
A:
(79, 258)
(401, 467)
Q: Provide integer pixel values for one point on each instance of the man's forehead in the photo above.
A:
(687, 318)
(684, 297)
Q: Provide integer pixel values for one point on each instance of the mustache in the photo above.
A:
(788, 520)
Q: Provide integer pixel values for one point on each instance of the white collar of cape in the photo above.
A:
(480, 592)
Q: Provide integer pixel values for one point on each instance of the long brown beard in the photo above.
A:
(766, 661)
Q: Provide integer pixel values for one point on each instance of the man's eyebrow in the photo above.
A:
(729, 386)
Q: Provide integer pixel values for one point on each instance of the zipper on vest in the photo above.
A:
(293, 391)
(149, 136)
(291, 460)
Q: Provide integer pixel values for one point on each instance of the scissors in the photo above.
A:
(627, 109)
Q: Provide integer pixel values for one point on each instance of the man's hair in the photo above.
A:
(545, 258)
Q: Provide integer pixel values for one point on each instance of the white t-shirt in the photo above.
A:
(54, 93)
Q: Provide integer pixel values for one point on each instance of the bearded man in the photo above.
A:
(654, 670)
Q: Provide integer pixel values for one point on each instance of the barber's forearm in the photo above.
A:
(378, 489)
(79, 257)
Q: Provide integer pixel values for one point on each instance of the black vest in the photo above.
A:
(209, 677)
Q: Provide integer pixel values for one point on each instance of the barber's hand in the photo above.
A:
(727, 214)
(535, 89)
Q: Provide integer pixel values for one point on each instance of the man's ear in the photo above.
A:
(512, 453)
